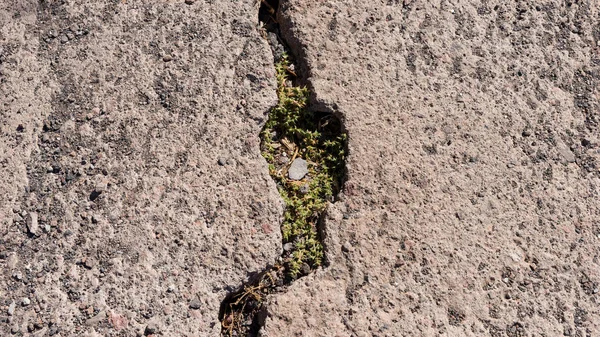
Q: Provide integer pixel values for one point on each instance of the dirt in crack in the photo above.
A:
(306, 153)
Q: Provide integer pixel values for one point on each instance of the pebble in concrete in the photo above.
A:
(151, 329)
(11, 308)
(32, 223)
(195, 303)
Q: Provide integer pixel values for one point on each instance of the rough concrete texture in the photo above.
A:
(471, 205)
(133, 195)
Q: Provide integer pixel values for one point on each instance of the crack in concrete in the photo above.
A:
(244, 312)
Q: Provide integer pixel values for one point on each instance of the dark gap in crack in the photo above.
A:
(267, 13)
(295, 130)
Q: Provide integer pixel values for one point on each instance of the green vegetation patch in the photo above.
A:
(293, 131)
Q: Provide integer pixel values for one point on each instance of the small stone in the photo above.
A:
(566, 153)
(94, 195)
(11, 308)
(195, 303)
(283, 159)
(100, 186)
(298, 170)
(171, 288)
(189, 2)
(14, 330)
(305, 188)
(347, 247)
(151, 329)
(32, 223)
(167, 58)
(222, 161)
(89, 263)
(288, 247)
(64, 39)
(526, 133)
(26, 301)
(515, 257)
(305, 268)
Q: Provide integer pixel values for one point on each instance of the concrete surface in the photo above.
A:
(133, 195)
(471, 206)
(130, 129)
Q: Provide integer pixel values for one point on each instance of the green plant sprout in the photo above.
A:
(293, 131)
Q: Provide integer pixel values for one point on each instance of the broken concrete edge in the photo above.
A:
(291, 35)
(317, 102)
(267, 282)
(29, 242)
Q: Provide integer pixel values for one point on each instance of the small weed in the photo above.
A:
(293, 131)
(246, 304)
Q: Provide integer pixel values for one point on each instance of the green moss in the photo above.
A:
(294, 131)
